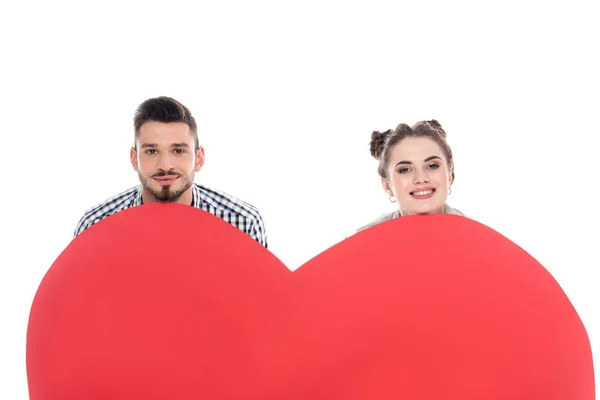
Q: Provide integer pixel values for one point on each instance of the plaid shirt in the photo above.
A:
(232, 210)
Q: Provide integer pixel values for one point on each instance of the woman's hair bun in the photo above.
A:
(437, 127)
(377, 142)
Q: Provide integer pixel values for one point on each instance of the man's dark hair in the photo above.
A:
(165, 109)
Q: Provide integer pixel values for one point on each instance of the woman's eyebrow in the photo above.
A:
(427, 159)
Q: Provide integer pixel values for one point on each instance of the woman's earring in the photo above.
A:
(392, 198)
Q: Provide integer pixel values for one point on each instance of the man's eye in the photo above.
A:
(179, 151)
(151, 151)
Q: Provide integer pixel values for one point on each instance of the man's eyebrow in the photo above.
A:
(154, 145)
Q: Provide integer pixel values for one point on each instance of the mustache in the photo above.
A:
(165, 173)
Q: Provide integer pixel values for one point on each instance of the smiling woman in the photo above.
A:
(416, 169)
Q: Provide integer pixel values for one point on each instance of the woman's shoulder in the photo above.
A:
(379, 220)
(395, 214)
(451, 210)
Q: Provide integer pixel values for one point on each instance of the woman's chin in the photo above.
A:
(427, 209)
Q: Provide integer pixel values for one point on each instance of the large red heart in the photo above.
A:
(168, 302)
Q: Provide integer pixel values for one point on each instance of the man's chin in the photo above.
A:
(166, 196)
(166, 193)
(170, 199)
(166, 199)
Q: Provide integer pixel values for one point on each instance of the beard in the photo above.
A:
(166, 193)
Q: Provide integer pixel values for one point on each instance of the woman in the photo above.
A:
(416, 169)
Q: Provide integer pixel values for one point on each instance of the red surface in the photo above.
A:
(168, 302)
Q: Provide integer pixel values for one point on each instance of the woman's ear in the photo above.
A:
(386, 186)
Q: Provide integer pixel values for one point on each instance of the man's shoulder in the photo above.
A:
(107, 208)
(235, 211)
(225, 202)
(115, 201)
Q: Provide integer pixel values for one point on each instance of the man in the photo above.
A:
(166, 155)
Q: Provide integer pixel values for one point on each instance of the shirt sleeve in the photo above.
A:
(82, 225)
(258, 231)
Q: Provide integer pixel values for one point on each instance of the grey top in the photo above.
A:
(396, 214)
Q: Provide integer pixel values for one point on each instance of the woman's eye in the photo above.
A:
(403, 170)
(434, 166)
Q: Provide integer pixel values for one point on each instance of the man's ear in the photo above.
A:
(133, 158)
(199, 158)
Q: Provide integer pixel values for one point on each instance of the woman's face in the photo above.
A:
(418, 176)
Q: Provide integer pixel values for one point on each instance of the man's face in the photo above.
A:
(165, 159)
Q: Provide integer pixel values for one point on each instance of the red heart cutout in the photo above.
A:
(166, 301)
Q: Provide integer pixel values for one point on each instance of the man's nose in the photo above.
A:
(165, 162)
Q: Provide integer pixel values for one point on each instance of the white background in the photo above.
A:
(286, 95)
